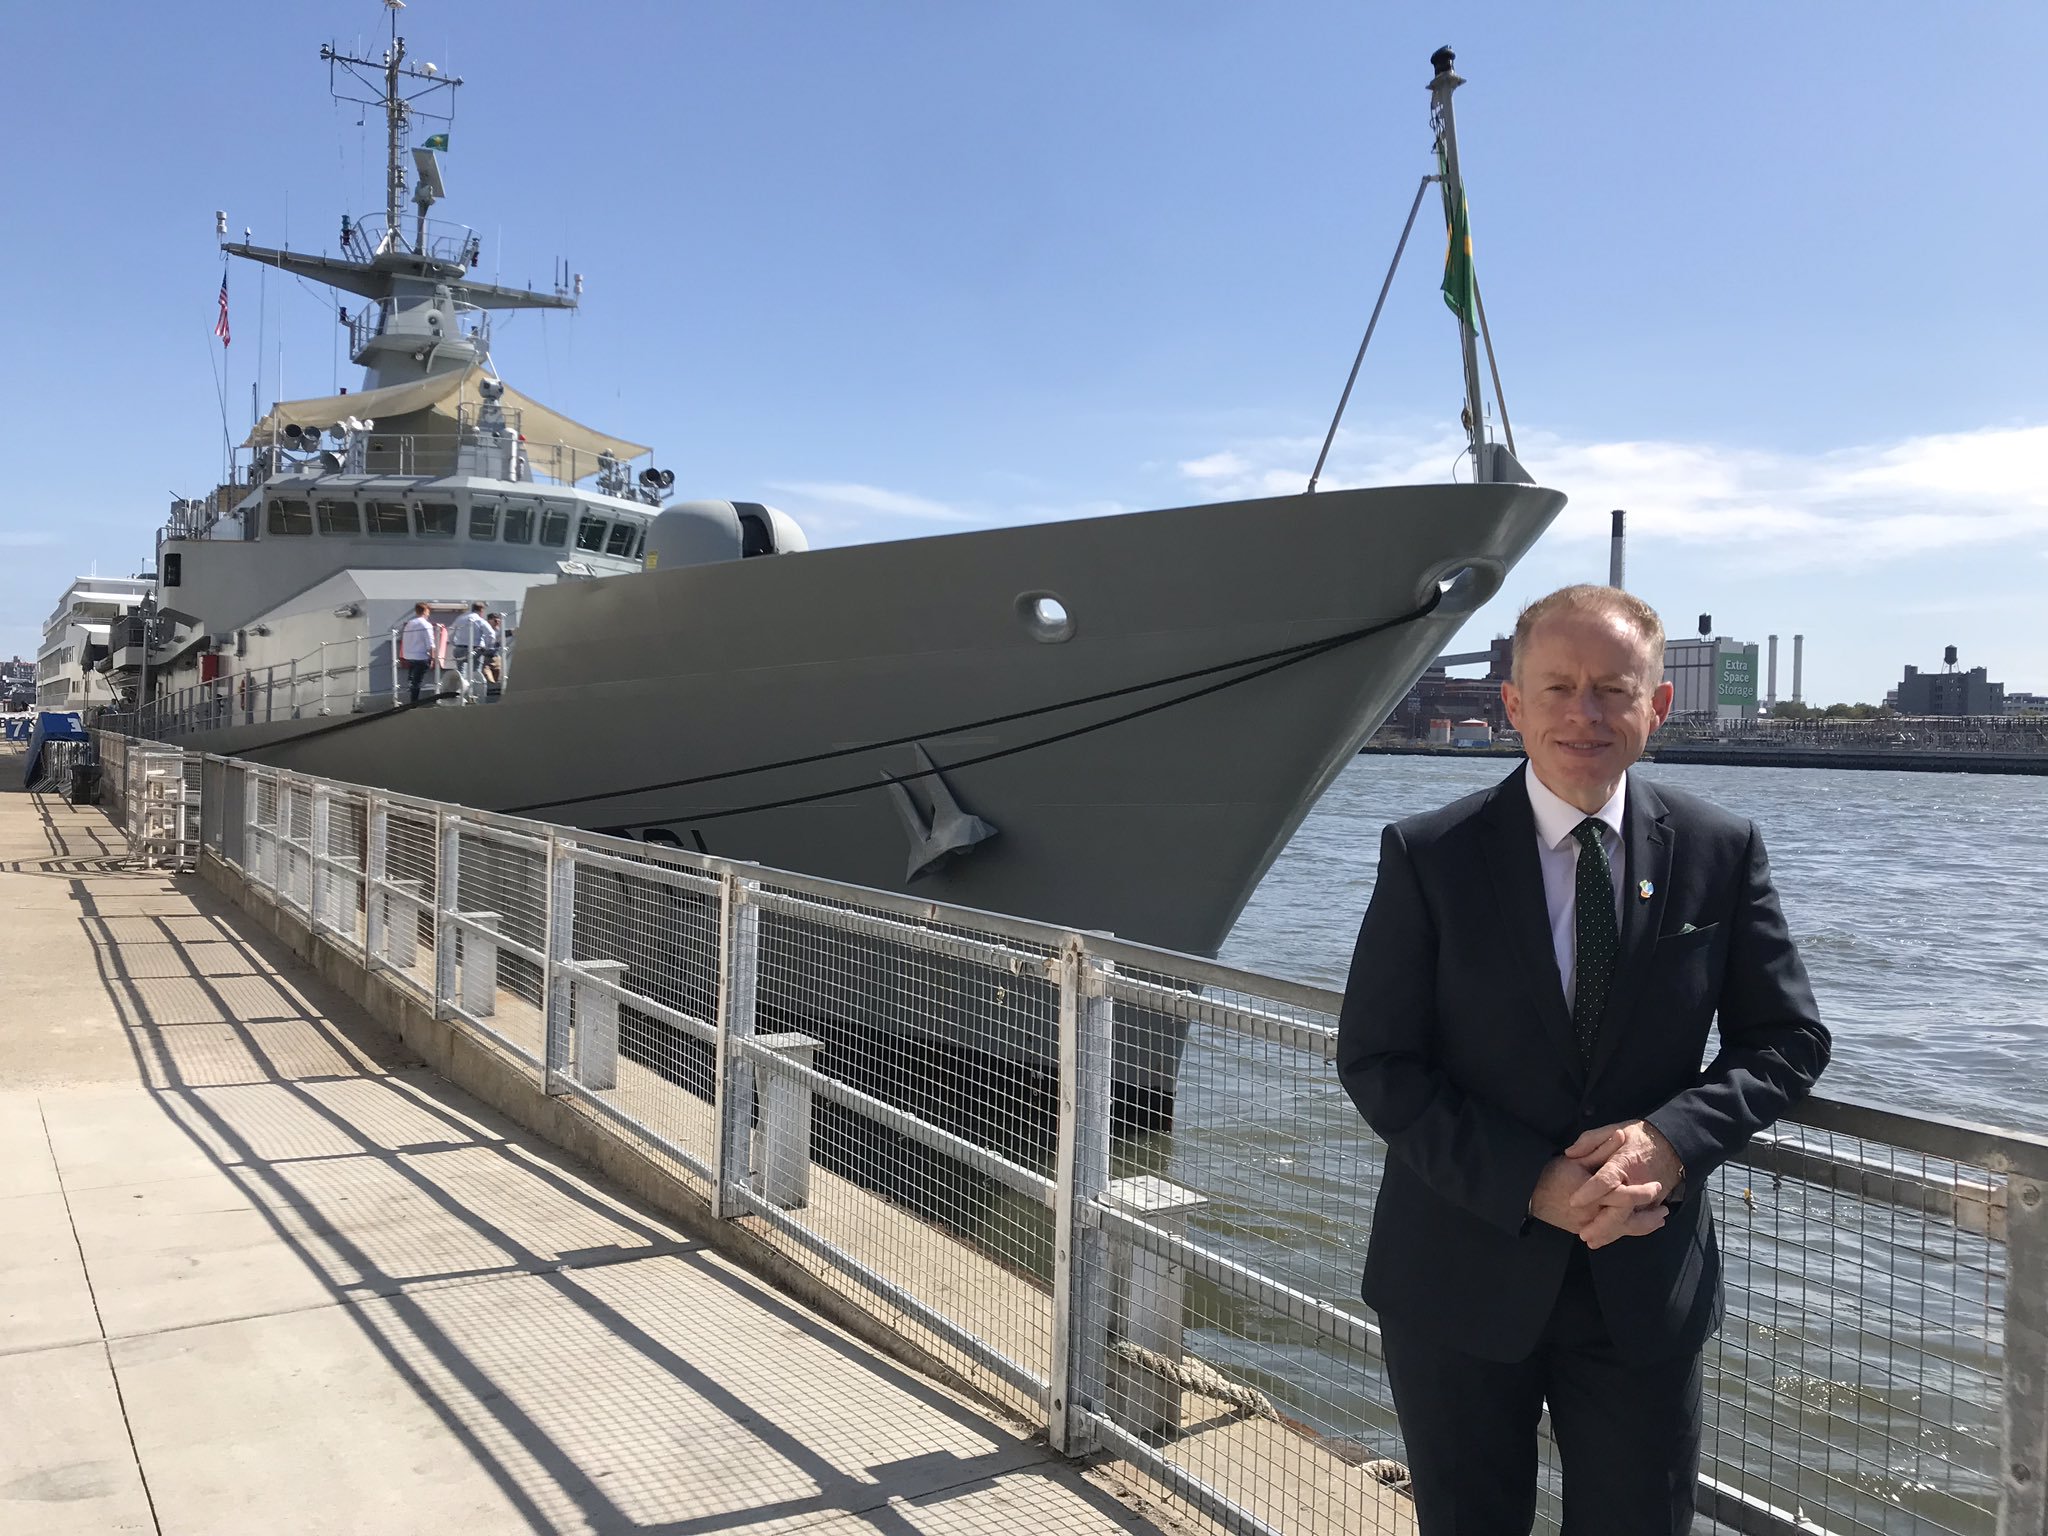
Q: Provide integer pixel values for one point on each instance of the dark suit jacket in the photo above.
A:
(1457, 1047)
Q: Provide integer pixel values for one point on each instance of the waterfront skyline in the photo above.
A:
(904, 271)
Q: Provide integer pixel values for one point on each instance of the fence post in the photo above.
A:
(287, 818)
(596, 1022)
(2023, 1494)
(1080, 1314)
(1147, 1311)
(317, 850)
(376, 900)
(783, 1168)
(557, 981)
(478, 937)
(402, 922)
(739, 958)
(447, 897)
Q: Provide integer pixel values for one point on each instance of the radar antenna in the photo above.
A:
(398, 89)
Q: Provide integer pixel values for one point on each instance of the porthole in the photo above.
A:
(1045, 617)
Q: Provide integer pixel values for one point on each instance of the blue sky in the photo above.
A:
(1767, 275)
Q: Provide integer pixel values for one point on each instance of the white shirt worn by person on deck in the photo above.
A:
(416, 640)
(1557, 849)
(473, 629)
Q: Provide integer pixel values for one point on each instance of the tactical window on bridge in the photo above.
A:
(289, 517)
(554, 527)
(519, 523)
(386, 519)
(483, 520)
(340, 517)
(590, 535)
(437, 519)
(621, 541)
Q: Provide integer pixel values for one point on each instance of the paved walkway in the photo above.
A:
(263, 1273)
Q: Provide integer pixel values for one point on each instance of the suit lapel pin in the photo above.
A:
(1645, 890)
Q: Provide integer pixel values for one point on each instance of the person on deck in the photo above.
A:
(494, 650)
(1528, 1007)
(471, 639)
(417, 642)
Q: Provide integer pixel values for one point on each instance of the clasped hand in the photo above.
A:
(1612, 1182)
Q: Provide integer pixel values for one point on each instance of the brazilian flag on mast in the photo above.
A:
(435, 141)
(1461, 281)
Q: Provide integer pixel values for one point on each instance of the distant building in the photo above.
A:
(2026, 703)
(1711, 679)
(1439, 701)
(1471, 733)
(1950, 693)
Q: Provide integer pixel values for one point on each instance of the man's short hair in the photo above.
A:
(419, 607)
(476, 607)
(1609, 602)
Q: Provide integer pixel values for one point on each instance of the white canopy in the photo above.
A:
(433, 405)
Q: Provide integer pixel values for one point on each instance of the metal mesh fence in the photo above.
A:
(636, 1017)
(1122, 1191)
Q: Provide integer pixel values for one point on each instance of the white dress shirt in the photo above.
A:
(416, 639)
(1558, 852)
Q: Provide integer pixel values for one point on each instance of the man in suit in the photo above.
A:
(1528, 1009)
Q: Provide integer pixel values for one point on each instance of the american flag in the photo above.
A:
(220, 326)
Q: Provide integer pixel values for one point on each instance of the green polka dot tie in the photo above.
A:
(1599, 944)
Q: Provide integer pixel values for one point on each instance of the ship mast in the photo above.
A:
(1446, 81)
(388, 78)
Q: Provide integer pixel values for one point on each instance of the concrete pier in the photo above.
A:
(265, 1272)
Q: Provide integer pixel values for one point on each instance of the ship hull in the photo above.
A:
(1156, 828)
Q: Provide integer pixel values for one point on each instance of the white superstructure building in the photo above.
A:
(83, 619)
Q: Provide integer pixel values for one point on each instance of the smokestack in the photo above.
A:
(1614, 556)
(1771, 686)
(1798, 666)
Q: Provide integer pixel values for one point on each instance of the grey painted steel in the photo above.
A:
(2023, 1511)
(739, 962)
(860, 649)
(1080, 1300)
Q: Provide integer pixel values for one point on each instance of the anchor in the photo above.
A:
(948, 830)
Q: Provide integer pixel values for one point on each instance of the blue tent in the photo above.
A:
(51, 725)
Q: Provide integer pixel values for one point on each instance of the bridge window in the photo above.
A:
(621, 541)
(554, 527)
(289, 517)
(519, 524)
(483, 520)
(590, 535)
(386, 519)
(437, 520)
(340, 517)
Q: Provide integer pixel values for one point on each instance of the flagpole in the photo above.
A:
(1446, 81)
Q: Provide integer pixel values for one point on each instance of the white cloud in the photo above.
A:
(1857, 505)
(874, 498)
(1215, 466)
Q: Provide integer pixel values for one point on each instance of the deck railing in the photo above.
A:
(339, 677)
(1121, 1190)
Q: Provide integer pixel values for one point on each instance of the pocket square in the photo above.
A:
(1689, 928)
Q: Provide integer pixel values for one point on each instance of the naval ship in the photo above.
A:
(1113, 723)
